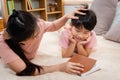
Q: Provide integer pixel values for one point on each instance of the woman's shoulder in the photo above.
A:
(2, 42)
(1, 36)
(40, 22)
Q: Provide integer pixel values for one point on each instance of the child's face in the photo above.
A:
(80, 34)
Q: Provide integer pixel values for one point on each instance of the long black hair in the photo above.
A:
(21, 25)
(88, 21)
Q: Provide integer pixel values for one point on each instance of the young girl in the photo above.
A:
(20, 40)
(79, 37)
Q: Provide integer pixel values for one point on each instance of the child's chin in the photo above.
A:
(78, 40)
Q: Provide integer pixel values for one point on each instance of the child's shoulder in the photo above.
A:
(93, 33)
(65, 30)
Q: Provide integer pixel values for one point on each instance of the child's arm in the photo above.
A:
(85, 47)
(83, 51)
(67, 52)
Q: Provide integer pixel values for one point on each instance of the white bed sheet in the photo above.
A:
(107, 54)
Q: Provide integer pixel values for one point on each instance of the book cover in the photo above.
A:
(89, 63)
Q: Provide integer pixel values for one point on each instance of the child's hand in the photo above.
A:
(72, 68)
(71, 15)
(86, 41)
(82, 42)
(70, 37)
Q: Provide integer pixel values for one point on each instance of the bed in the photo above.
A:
(107, 54)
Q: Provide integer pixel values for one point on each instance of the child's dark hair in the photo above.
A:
(88, 21)
(85, 5)
(21, 26)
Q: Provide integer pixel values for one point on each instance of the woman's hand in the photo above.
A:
(71, 15)
(72, 68)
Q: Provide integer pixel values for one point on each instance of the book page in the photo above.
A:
(94, 69)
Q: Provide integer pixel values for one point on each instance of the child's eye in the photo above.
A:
(86, 33)
(77, 31)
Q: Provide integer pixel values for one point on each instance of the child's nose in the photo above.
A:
(80, 35)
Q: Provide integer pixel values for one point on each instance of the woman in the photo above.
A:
(20, 41)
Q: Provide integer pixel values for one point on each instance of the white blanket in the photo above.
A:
(107, 54)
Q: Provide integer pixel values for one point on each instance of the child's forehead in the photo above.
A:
(81, 28)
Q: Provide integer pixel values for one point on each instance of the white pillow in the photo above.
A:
(105, 12)
(116, 19)
(114, 32)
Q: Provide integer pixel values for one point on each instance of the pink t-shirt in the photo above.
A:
(30, 49)
(64, 41)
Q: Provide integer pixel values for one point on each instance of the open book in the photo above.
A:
(89, 64)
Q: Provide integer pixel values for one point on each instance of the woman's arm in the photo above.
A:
(61, 21)
(17, 65)
(69, 67)
(57, 24)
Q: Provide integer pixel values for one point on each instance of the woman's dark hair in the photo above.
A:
(88, 21)
(21, 25)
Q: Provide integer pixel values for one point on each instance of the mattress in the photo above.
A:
(107, 54)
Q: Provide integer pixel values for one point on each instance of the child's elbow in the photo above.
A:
(66, 56)
(63, 56)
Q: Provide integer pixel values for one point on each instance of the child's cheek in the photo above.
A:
(74, 33)
(86, 36)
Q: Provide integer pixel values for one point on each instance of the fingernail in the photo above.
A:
(79, 74)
